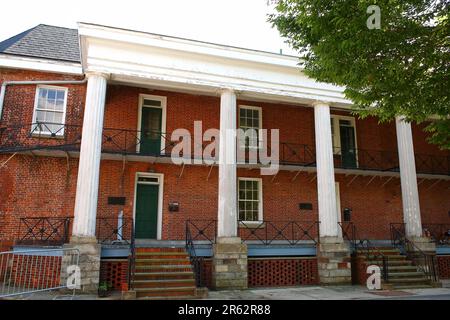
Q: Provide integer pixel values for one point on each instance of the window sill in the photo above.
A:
(251, 224)
(47, 135)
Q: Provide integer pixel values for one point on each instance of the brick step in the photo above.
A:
(155, 249)
(405, 268)
(166, 292)
(413, 274)
(405, 280)
(389, 257)
(191, 297)
(391, 262)
(412, 286)
(163, 275)
(163, 262)
(163, 268)
(145, 256)
(163, 283)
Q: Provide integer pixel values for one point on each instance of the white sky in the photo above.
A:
(241, 23)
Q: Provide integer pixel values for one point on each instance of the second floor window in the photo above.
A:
(250, 119)
(49, 110)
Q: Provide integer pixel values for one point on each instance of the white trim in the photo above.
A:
(36, 101)
(260, 194)
(160, 184)
(10, 61)
(163, 101)
(260, 125)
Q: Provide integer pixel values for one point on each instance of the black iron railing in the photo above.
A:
(199, 230)
(42, 135)
(365, 246)
(48, 231)
(114, 230)
(439, 233)
(424, 261)
(132, 258)
(279, 232)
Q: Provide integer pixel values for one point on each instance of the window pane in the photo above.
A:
(149, 102)
(60, 95)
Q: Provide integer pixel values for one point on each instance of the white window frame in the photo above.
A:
(260, 195)
(163, 100)
(336, 135)
(260, 137)
(160, 183)
(35, 109)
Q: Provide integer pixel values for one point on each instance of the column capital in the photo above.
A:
(319, 103)
(226, 90)
(104, 75)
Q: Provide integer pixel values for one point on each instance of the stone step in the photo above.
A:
(383, 251)
(404, 268)
(191, 297)
(163, 275)
(165, 292)
(388, 257)
(164, 283)
(391, 262)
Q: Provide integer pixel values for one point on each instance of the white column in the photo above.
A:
(408, 177)
(227, 207)
(326, 189)
(90, 153)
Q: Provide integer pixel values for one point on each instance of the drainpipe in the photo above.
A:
(31, 82)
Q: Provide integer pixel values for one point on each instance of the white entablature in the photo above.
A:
(168, 62)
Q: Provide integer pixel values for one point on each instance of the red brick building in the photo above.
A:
(86, 135)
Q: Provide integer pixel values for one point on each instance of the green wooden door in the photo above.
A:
(348, 146)
(146, 220)
(150, 140)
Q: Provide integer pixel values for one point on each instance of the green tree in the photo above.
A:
(402, 68)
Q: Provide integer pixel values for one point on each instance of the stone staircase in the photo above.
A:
(164, 273)
(401, 271)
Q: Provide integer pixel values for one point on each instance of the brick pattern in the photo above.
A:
(114, 272)
(444, 266)
(280, 272)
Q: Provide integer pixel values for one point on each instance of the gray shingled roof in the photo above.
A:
(44, 41)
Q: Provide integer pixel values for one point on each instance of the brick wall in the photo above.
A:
(38, 186)
(444, 266)
(114, 272)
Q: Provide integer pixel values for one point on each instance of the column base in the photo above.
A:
(89, 262)
(334, 261)
(229, 264)
(423, 243)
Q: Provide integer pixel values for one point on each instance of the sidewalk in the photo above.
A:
(294, 293)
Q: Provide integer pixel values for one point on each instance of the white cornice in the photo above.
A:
(11, 61)
(160, 60)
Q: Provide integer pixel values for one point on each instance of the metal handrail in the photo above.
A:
(196, 261)
(270, 232)
(350, 233)
(67, 137)
(132, 258)
(426, 262)
(43, 231)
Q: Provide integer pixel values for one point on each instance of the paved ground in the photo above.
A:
(297, 293)
(330, 293)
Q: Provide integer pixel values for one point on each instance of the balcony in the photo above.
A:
(50, 136)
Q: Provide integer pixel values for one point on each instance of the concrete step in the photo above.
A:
(400, 268)
(391, 262)
(164, 283)
(166, 292)
(414, 274)
(411, 286)
(389, 257)
(191, 297)
(389, 251)
(409, 280)
(155, 249)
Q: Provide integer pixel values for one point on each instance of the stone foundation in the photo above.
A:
(89, 262)
(229, 269)
(423, 244)
(334, 261)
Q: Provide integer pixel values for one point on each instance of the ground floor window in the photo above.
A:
(250, 199)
